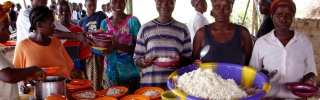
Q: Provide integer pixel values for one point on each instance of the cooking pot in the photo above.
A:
(52, 85)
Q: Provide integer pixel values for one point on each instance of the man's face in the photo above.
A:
(91, 7)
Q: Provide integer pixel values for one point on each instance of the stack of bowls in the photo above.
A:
(101, 42)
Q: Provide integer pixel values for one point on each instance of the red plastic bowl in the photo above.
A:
(102, 35)
(166, 64)
(102, 42)
(303, 90)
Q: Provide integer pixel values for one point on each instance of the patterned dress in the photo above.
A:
(119, 65)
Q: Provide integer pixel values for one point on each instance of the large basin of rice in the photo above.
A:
(217, 81)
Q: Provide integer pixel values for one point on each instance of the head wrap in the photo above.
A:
(276, 3)
(195, 2)
(232, 1)
(4, 9)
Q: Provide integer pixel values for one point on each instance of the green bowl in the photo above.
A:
(168, 95)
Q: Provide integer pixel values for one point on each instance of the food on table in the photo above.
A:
(86, 95)
(151, 93)
(164, 59)
(204, 83)
(114, 92)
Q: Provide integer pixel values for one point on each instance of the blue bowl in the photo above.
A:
(242, 75)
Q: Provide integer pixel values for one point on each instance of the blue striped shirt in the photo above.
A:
(161, 40)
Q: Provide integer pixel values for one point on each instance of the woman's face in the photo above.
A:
(264, 7)
(4, 30)
(118, 6)
(91, 7)
(282, 17)
(202, 6)
(221, 10)
(47, 26)
(165, 7)
(64, 12)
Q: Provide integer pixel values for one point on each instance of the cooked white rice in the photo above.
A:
(164, 59)
(113, 92)
(151, 93)
(86, 95)
(204, 83)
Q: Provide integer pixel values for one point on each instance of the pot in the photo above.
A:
(52, 85)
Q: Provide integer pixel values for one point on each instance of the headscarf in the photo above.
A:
(4, 9)
(276, 3)
(195, 2)
(232, 1)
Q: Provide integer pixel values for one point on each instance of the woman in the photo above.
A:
(228, 42)
(162, 37)
(119, 63)
(9, 76)
(267, 24)
(40, 48)
(285, 50)
(197, 20)
(77, 52)
(90, 23)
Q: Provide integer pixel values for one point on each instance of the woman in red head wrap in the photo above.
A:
(285, 50)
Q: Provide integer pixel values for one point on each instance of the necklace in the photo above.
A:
(159, 30)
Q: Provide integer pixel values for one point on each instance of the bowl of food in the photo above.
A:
(168, 95)
(116, 91)
(303, 90)
(153, 93)
(167, 62)
(86, 94)
(219, 80)
(102, 39)
(135, 97)
(51, 70)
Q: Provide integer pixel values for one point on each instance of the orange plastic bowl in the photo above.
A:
(135, 97)
(76, 84)
(50, 70)
(83, 91)
(124, 89)
(56, 97)
(106, 98)
(145, 89)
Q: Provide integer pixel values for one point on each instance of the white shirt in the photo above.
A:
(293, 61)
(9, 91)
(196, 22)
(23, 25)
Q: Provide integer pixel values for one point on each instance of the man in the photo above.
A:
(93, 20)
(267, 24)
(197, 20)
(109, 12)
(75, 14)
(23, 25)
(13, 16)
(82, 12)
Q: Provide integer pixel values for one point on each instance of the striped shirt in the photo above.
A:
(161, 40)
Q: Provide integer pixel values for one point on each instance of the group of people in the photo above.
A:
(129, 60)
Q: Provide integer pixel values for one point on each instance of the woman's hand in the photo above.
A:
(111, 48)
(311, 82)
(197, 62)
(25, 89)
